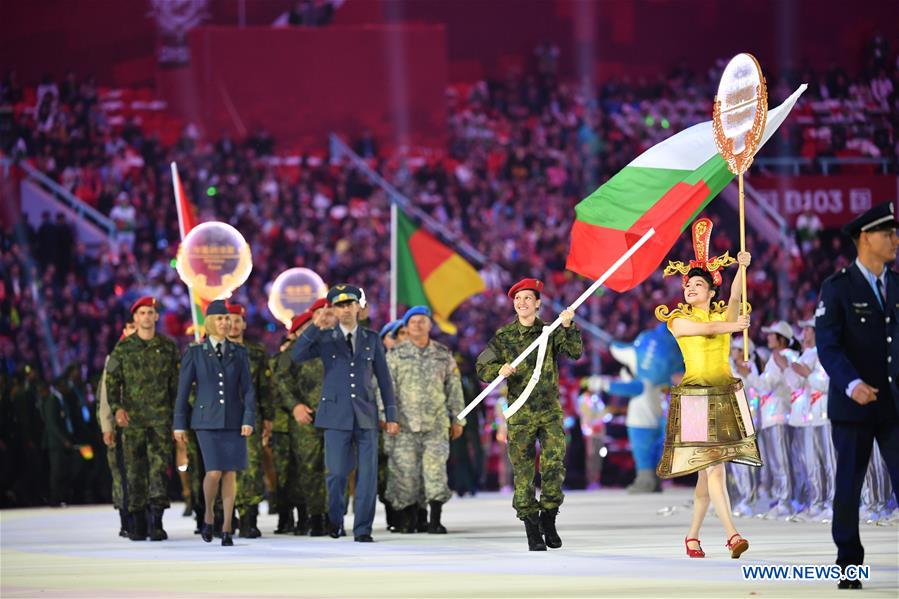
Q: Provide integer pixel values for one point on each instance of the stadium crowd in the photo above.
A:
(522, 151)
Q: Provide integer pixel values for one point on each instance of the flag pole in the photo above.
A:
(179, 201)
(558, 321)
(393, 258)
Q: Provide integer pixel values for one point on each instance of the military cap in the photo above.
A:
(317, 305)
(414, 311)
(299, 320)
(533, 284)
(343, 293)
(880, 217)
(144, 301)
(237, 309)
(217, 307)
(390, 328)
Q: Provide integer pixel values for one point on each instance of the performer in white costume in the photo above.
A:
(811, 444)
(743, 481)
(774, 408)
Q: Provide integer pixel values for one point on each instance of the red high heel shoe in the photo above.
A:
(693, 552)
(737, 548)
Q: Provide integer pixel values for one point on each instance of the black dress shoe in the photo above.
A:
(226, 539)
(337, 532)
(364, 539)
(206, 532)
(849, 584)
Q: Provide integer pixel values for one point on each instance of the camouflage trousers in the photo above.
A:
(285, 472)
(148, 454)
(417, 468)
(195, 471)
(251, 480)
(307, 446)
(524, 433)
(115, 461)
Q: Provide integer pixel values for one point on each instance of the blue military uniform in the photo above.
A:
(857, 330)
(348, 411)
(225, 397)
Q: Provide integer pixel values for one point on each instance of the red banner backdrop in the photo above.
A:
(836, 200)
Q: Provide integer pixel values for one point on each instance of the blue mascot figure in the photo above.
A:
(651, 362)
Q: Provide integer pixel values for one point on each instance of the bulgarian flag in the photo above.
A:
(428, 273)
(187, 220)
(664, 188)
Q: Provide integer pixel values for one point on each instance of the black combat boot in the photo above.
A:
(138, 526)
(248, 527)
(199, 512)
(392, 524)
(124, 524)
(156, 532)
(532, 528)
(302, 527)
(434, 525)
(317, 525)
(285, 521)
(422, 519)
(408, 519)
(548, 523)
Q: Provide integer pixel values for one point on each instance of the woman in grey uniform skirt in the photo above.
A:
(223, 412)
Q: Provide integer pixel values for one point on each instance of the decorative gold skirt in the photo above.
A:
(707, 426)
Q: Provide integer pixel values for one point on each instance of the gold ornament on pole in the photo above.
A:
(738, 121)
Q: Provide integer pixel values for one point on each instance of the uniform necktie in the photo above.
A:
(881, 292)
(218, 350)
(349, 342)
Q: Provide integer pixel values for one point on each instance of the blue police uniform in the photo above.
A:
(225, 401)
(857, 331)
(348, 411)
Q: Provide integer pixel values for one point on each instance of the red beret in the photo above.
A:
(299, 320)
(317, 305)
(532, 284)
(144, 301)
(237, 309)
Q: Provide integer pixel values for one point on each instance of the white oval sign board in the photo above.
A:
(738, 94)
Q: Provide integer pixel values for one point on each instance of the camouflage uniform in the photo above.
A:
(113, 454)
(540, 419)
(142, 379)
(429, 396)
(250, 481)
(302, 385)
(280, 442)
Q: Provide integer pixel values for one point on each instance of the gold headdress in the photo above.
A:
(702, 234)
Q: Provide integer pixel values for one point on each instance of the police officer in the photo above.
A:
(857, 327)
(224, 412)
(251, 482)
(112, 440)
(347, 411)
(142, 379)
(428, 397)
(540, 419)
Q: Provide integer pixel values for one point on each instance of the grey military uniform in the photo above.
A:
(428, 392)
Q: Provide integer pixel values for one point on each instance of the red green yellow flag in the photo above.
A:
(431, 274)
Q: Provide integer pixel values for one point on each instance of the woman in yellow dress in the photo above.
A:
(709, 421)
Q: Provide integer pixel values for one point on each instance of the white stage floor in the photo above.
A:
(615, 545)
